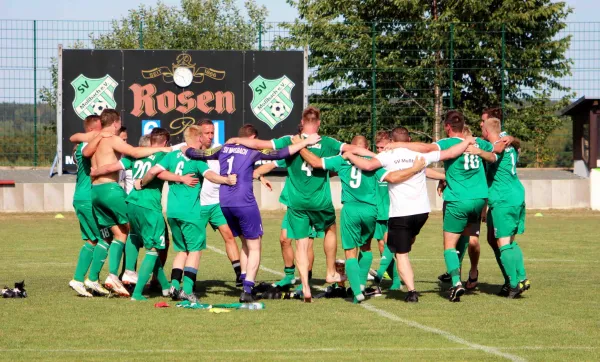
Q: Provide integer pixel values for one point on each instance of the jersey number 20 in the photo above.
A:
(141, 168)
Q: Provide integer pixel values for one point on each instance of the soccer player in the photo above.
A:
(409, 201)
(144, 211)
(506, 210)
(184, 211)
(238, 203)
(82, 203)
(108, 199)
(309, 195)
(209, 203)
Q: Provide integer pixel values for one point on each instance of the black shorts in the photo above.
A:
(402, 230)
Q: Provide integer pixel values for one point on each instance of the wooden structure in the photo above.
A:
(585, 113)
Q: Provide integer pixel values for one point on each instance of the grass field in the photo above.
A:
(556, 320)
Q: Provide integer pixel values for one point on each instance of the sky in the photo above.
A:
(585, 10)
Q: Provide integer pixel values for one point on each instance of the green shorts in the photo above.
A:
(188, 235)
(213, 215)
(459, 214)
(312, 233)
(358, 222)
(87, 224)
(108, 204)
(472, 229)
(147, 226)
(300, 222)
(380, 229)
(506, 221)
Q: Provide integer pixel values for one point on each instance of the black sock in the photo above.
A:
(309, 274)
(177, 274)
(236, 268)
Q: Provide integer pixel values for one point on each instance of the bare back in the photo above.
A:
(106, 155)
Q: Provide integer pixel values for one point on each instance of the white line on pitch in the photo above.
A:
(447, 335)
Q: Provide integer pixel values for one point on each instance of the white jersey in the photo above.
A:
(209, 193)
(408, 197)
(126, 180)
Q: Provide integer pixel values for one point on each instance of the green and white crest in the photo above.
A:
(93, 95)
(272, 99)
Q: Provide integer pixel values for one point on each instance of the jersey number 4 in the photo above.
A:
(307, 168)
(471, 162)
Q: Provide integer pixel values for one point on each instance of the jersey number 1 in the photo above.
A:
(230, 163)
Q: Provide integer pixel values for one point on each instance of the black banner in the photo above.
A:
(175, 89)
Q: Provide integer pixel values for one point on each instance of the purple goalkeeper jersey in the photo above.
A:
(238, 160)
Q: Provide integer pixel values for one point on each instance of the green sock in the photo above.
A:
(518, 253)
(462, 246)
(364, 263)
(100, 253)
(353, 273)
(83, 263)
(508, 261)
(159, 273)
(189, 279)
(289, 271)
(497, 255)
(146, 269)
(386, 259)
(115, 253)
(132, 251)
(396, 281)
(452, 265)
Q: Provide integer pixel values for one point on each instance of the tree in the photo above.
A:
(408, 48)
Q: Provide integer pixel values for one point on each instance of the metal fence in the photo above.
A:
(393, 73)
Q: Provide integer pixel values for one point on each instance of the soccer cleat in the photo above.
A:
(358, 298)
(456, 292)
(373, 292)
(526, 284)
(96, 287)
(504, 291)
(79, 288)
(130, 277)
(516, 292)
(189, 297)
(412, 297)
(386, 276)
(376, 278)
(445, 278)
(246, 298)
(166, 292)
(472, 283)
(175, 294)
(113, 283)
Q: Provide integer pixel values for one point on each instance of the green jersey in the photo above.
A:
(357, 185)
(505, 187)
(465, 176)
(149, 197)
(83, 185)
(283, 198)
(383, 200)
(184, 201)
(308, 189)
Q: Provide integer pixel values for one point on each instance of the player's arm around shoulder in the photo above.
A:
(362, 163)
(136, 152)
(483, 149)
(400, 176)
(123, 164)
(452, 152)
(203, 155)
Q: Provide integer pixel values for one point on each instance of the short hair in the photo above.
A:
(300, 128)
(494, 112)
(122, 129)
(400, 134)
(89, 120)
(311, 111)
(247, 130)
(205, 122)
(108, 117)
(159, 135)
(360, 139)
(144, 141)
(467, 131)
(493, 125)
(455, 120)
(191, 132)
(382, 135)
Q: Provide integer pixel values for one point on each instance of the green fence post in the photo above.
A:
(260, 35)
(373, 87)
(141, 34)
(503, 79)
(35, 153)
(451, 65)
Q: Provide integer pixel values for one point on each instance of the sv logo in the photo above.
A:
(83, 86)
